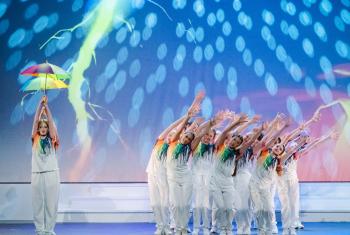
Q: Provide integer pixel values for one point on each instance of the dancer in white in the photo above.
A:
(157, 173)
(45, 173)
(288, 182)
(262, 177)
(221, 182)
(202, 169)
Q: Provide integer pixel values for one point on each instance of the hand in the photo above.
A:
(334, 135)
(199, 121)
(193, 110)
(242, 118)
(44, 99)
(256, 118)
(316, 117)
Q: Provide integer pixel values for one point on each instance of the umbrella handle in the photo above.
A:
(45, 84)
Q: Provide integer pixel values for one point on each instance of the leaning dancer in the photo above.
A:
(268, 161)
(241, 179)
(179, 174)
(157, 177)
(45, 173)
(202, 166)
(221, 183)
(288, 182)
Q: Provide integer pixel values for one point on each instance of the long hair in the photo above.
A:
(45, 142)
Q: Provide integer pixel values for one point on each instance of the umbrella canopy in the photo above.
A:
(46, 70)
(42, 83)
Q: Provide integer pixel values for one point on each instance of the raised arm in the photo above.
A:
(37, 117)
(52, 126)
(205, 128)
(249, 143)
(192, 111)
(238, 120)
(293, 134)
(317, 141)
(278, 128)
(165, 133)
(245, 125)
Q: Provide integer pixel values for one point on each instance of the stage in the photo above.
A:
(148, 229)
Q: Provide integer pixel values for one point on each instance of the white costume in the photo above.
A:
(158, 187)
(288, 191)
(202, 165)
(243, 200)
(222, 189)
(180, 185)
(45, 185)
(260, 190)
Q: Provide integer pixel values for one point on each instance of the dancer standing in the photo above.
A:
(262, 178)
(156, 171)
(45, 172)
(221, 182)
(179, 173)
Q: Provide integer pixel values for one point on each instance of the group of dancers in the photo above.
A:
(228, 174)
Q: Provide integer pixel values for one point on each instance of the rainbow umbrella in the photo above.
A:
(49, 76)
(46, 70)
(42, 83)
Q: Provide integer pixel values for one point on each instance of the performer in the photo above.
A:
(202, 169)
(221, 182)
(261, 181)
(179, 173)
(288, 182)
(288, 192)
(156, 170)
(45, 172)
(241, 178)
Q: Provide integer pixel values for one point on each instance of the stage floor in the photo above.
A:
(148, 229)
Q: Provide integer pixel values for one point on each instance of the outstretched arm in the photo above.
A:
(52, 126)
(205, 128)
(249, 143)
(37, 115)
(238, 120)
(192, 111)
(317, 141)
(165, 133)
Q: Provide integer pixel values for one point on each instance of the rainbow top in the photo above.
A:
(202, 149)
(226, 153)
(266, 159)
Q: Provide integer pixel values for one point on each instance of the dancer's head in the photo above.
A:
(235, 141)
(186, 137)
(209, 137)
(304, 136)
(278, 149)
(43, 127)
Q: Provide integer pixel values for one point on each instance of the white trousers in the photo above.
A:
(201, 200)
(243, 202)
(45, 194)
(288, 192)
(223, 196)
(263, 205)
(180, 193)
(159, 199)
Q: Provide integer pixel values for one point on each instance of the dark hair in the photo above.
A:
(213, 130)
(239, 136)
(260, 137)
(278, 140)
(193, 135)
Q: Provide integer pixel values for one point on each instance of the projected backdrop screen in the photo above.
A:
(136, 66)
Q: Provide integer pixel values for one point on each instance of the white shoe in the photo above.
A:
(195, 231)
(285, 231)
(214, 230)
(158, 231)
(274, 229)
(292, 231)
(299, 226)
(206, 231)
(167, 231)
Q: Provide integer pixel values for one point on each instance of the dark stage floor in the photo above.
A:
(148, 229)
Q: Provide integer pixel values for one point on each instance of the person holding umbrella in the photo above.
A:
(45, 172)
